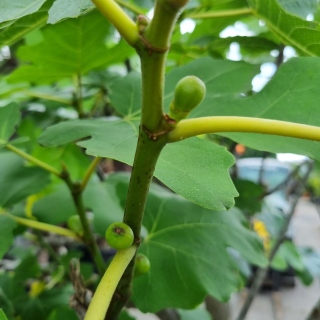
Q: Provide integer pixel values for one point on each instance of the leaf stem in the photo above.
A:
(46, 97)
(76, 192)
(219, 14)
(77, 100)
(88, 236)
(193, 127)
(89, 172)
(43, 226)
(33, 160)
(133, 8)
(121, 21)
(108, 284)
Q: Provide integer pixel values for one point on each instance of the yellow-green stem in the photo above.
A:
(33, 160)
(121, 21)
(46, 97)
(89, 172)
(194, 127)
(219, 14)
(133, 8)
(108, 284)
(42, 226)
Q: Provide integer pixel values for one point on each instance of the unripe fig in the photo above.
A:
(142, 264)
(119, 236)
(189, 92)
(75, 225)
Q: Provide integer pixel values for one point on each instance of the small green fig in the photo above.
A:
(74, 224)
(142, 264)
(119, 236)
(189, 92)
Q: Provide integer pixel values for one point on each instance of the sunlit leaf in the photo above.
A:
(291, 95)
(11, 10)
(74, 46)
(196, 169)
(292, 30)
(63, 9)
(300, 8)
(18, 28)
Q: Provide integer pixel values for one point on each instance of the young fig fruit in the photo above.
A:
(119, 236)
(189, 92)
(142, 265)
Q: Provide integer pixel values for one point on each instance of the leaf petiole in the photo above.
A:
(42, 226)
(108, 284)
(197, 126)
(121, 21)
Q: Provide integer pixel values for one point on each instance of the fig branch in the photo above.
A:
(152, 41)
(197, 126)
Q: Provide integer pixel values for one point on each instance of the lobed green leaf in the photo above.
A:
(186, 246)
(20, 27)
(12, 10)
(63, 9)
(292, 30)
(9, 118)
(65, 50)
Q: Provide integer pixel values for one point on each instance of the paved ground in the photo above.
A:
(291, 303)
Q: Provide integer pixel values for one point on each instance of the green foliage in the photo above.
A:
(199, 313)
(249, 200)
(71, 91)
(19, 181)
(188, 244)
(6, 228)
(2, 315)
(9, 118)
(17, 29)
(291, 30)
(293, 100)
(13, 11)
(183, 167)
(58, 57)
(298, 7)
(288, 255)
(62, 10)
